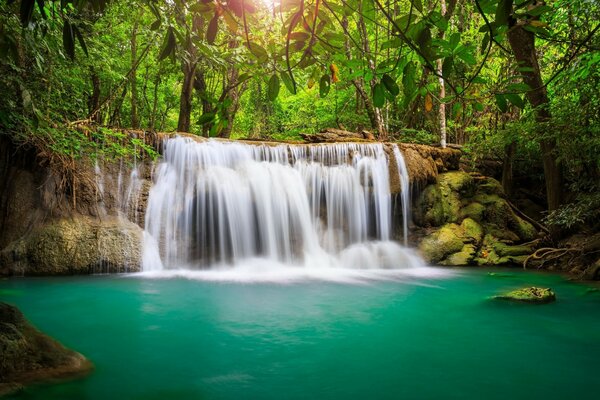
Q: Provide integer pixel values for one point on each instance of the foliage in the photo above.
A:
(276, 69)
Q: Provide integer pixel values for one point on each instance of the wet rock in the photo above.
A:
(79, 245)
(443, 242)
(29, 356)
(533, 295)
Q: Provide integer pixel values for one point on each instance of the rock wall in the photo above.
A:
(85, 226)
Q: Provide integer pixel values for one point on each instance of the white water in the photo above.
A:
(267, 209)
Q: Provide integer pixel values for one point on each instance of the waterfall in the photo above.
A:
(217, 204)
(404, 191)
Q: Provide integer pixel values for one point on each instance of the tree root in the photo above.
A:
(546, 254)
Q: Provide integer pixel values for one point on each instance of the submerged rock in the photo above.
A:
(29, 356)
(530, 295)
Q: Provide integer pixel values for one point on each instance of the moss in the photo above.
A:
(428, 209)
(503, 249)
(486, 199)
(472, 230)
(457, 181)
(530, 295)
(501, 233)
(441, 243)
(462, 258)
(524, 229)
(441, 203)
(490, 186)
(473, 210)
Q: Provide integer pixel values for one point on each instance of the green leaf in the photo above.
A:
(324, 85)
(454, 40)
(417, 4)
(258, 51)
(408, 79)
(501, 102)
(213, 28)
(478, 107)
(244, 77)
(518, 87)
(391, 44)
(515, 99)
(155, 25)
(390, 84)
(68, 40)
(485, 43)
(80, 40)
(378, 95)
(206, 118)
(168, 44)
(503, 11)
(438, 20)
(287, 81)
(447, 66)
(273, 90)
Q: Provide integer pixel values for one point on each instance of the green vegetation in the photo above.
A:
(515, 82)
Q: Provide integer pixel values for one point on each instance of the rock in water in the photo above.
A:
(29, 356)
(530, 295)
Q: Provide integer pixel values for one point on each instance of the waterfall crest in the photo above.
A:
(218, 204)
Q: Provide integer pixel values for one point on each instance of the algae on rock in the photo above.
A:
(532, 294)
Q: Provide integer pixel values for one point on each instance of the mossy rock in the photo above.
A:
(532, 295)
(491, 186)
(472, 230)
(462, 258)
(457, 181)
(443, 242)
(501, 214)
(472, 210)
(494, 252)
(441, 203)
(28, 356)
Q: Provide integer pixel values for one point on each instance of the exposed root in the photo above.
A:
(546, 254)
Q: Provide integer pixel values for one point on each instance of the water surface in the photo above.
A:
(389, 338)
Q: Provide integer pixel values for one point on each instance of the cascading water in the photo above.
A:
(218, 204)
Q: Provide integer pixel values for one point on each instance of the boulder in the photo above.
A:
(532, 295)
(441, 243)
(78, 245)
(29, 356)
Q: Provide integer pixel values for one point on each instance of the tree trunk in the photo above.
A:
(375, 115)
(135, 122)
(154, 102)
(507, 168)
(202, 89)
(94, 102)
(188, 68)
(361, 93)
(522, 43)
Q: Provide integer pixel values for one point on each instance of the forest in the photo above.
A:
(513, 83)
